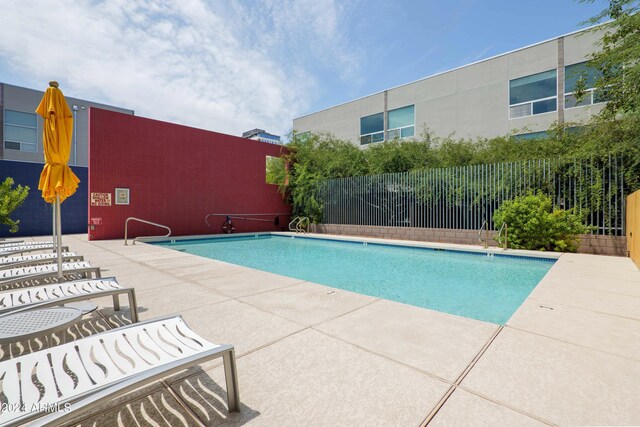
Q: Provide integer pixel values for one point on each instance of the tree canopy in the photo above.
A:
(618, 61)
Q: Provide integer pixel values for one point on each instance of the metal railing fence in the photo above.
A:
(462, 197)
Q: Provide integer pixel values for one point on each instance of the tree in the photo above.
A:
(275, 170)
(10, 200)
(618, 63)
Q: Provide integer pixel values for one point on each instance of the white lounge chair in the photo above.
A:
(80, 375)
(9, 242)
(22, 242)
(16, 261)
(46, 274)
(66, 292)
(28, 247)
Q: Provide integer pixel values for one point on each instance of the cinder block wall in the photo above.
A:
(35, 213)
(600, 245)
(176, 176)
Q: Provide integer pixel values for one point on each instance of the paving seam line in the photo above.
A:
(575, 307)
(182, 403)
(250, 295)
(366, 350)
(574, 344)
(506, 405)
(461, 377)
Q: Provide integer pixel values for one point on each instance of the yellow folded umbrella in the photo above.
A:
(56, 178)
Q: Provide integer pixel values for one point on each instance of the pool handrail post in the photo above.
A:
(126, 225)
(506, 234)
(485, 227)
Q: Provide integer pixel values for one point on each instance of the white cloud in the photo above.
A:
(218, 65)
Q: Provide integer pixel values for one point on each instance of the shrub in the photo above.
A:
(534, 224)
(10, 200)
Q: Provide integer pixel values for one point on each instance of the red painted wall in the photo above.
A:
(176, 176)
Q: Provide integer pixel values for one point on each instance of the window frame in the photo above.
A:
(531, 102)
(22, 144)
(399, 129)
(371, 134)
(589, 92)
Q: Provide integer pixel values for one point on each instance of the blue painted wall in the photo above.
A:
(35, 214)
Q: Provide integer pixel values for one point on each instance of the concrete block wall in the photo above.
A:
(600, 245)
(35, 213)
(603, 245)
(439, 235)
(176, 176)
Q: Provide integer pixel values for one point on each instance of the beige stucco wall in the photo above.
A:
(471, 101)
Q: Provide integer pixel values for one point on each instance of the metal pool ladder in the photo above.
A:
(299, 224)
(506, 235)
(126, 225)
(485, 227)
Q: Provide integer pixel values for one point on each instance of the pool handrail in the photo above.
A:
(293, 227)
(126, 225)
(299, 226)
(244, 216)
(296, 224)
(506, 235)
(485, 227)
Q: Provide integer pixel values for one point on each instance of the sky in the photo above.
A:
(232, 65)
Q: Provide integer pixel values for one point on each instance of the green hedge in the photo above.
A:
(534, 224)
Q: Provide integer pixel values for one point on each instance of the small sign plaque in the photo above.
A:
(122, 196)
(100, 199)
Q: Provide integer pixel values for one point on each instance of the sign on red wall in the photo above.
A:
(100, 199)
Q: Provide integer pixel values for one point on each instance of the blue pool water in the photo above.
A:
(466, 284)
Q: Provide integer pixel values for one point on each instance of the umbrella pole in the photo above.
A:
(53, 226)
(59, 235)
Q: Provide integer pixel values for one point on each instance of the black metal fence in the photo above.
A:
(463, 197)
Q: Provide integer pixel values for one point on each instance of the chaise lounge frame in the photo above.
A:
(46, 274)
(35, 297)
(158, 348)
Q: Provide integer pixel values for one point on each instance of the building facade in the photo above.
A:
(21, 127)
(22, 158)
(521, 93)
(262, 136)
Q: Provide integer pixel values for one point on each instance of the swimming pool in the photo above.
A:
(474, 285)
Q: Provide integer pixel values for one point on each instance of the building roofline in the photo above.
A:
(457, 68)
(96, 104)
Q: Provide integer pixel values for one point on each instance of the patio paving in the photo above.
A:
(308, 354)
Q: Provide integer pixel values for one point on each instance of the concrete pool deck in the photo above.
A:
(309, 354)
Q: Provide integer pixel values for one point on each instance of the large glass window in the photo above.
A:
(531, 135)
(372, 128)
(302, 136)
(533, 94)
(20, 131)
(401, 122)
(581, 74)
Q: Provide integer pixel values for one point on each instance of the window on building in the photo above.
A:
(401, 122)
(535, 94)
(581, 74)
(302, 136)
(372, 129)
(531, 135)
(20, 131)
